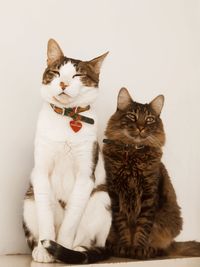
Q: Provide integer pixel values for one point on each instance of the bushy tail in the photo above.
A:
(75, 257)
(187, 249)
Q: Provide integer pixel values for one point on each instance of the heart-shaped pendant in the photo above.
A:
(75, 125)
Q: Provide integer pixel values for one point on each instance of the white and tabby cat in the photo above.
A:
(67, 200)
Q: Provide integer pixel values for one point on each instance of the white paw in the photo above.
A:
(40, 254)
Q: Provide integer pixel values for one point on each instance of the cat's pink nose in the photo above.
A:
(63, 85)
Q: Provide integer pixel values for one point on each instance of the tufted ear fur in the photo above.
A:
(54, 52)
(96, 63)
(124, 99)
(157, 104)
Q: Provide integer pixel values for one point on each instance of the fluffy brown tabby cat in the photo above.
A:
(145, 215)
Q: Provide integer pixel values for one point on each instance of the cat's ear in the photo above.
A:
(157, 104)
(96, 63)
(54, 51)
(124, 99)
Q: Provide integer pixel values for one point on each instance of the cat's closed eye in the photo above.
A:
(53, 73)
(150, 119)
(78, 75)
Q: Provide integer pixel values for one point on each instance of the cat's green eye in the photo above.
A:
(131, 116)
(150, 119)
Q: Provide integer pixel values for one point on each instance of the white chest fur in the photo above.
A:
(61, 149)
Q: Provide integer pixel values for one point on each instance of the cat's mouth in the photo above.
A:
(62, 94)
(139, 138)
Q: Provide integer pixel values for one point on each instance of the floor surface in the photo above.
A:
(26, 261)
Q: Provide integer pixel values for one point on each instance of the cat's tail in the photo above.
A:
(75, 257)
(187, 249)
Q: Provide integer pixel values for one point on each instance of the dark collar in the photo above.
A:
(73, 113)
(122, 145)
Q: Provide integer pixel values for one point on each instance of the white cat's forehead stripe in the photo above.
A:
(67, 70)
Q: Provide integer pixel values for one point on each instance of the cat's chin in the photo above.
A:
(138, 141)
(62, 99)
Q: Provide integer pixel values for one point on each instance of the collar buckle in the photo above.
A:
(59, 110)
(63, 112)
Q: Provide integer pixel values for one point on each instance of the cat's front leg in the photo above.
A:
(74, 211)
(43, 201)
(44, 204)
(143, 229)
(84, 162)
(119, 235)
(72, 218)
(144, 225)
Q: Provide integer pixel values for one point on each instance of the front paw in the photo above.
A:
(40, 254)
(140, 253)
(144, 253)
